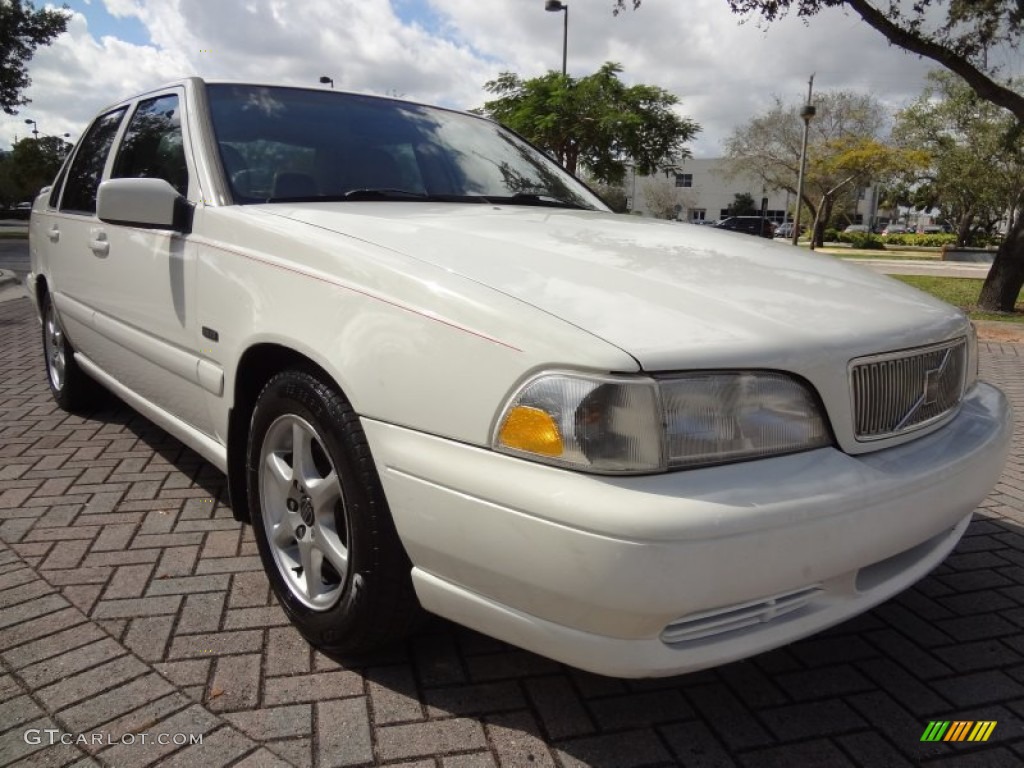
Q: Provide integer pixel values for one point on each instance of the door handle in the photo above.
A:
(53, 234)
(98, 243)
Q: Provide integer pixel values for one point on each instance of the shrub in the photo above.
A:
(832, 235)
(861, 240)
(865, 241)
(922, 241)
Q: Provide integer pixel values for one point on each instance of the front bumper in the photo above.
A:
(593, 570)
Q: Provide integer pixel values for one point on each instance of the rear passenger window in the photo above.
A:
(152, 146)
(87, 168)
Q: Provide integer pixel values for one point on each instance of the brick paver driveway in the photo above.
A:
(134, 608)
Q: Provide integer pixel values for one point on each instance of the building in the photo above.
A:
(701, 190)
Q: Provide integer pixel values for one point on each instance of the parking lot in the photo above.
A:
(134, 607)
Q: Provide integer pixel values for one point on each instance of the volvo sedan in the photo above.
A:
(440, 374)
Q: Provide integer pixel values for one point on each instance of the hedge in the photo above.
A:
(923, 241)
(863, 240)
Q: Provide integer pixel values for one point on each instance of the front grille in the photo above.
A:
(900, 391)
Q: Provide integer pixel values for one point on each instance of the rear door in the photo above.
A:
(74, 253)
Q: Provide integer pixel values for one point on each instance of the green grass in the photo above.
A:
(961, 292)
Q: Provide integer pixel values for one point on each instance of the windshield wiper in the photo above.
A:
(383, 193)
(353, 194)
(388, 193)
(534, 198)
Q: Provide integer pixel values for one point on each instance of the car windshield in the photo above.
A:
(298, 145)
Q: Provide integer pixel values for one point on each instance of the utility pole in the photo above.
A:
(806, 113)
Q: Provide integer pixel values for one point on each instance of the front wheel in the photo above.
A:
(323, 528)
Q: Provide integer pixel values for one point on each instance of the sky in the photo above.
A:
(723, 69)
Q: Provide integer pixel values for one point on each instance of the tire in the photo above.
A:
(70, 386)
(322, 524)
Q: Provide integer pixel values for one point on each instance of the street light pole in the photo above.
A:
(35, 127)
(806, 113)
(325, 80)
(555, 6)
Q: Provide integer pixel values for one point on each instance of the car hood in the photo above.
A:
(671, 295)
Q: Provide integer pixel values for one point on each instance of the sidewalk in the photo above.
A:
(921, 267)
(133, 607)
(10, 287)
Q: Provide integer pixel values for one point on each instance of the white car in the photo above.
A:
(439, 373)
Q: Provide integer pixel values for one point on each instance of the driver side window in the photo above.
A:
(152, 147)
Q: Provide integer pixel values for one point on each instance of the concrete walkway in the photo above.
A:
(133, 609)
(922, 267)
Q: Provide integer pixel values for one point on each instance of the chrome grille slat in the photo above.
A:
(897, 392)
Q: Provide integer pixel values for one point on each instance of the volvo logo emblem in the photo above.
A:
(933, 381)
(306, 510)
(932, 386)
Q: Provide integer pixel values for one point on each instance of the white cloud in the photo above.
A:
(724, 72)
(78, 74)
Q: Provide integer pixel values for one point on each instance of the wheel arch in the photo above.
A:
(257, 365)
(42, 290)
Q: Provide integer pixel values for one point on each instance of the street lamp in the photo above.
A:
(35, 127)
(806, 113)
(325, 80)
(554, 6)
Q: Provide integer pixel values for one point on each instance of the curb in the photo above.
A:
(7, 278)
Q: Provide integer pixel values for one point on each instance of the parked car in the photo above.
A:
(895, 229)
(750, 225)
(785, 230)
(21, 210)
(438, 372)
(857, 228)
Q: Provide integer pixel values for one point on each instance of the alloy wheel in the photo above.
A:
(304, 512)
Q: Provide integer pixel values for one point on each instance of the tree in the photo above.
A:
(974, 177)
(743, 204)
(613, 194)
(22, 30)
(959, 35)
(664, 199)
(33, 163)
(595, 123)
(9, 192)
(844, 153)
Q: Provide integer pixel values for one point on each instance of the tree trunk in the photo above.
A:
(1004, 281)
(963, 230)
(571, 159)
(821, 220)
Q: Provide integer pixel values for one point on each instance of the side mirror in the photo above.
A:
(145, 203)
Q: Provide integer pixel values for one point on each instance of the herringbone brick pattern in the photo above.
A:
(131, 602)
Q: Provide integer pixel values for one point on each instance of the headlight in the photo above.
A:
(597, 423)
(622, 425)
(716, 417)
